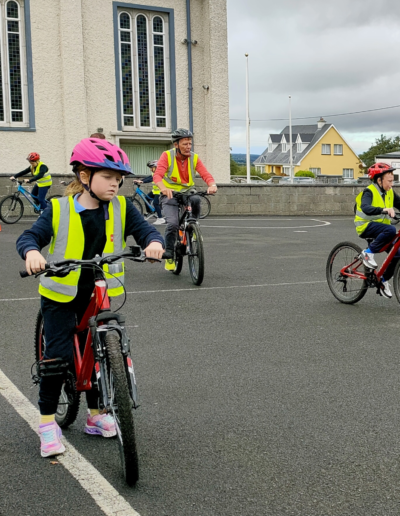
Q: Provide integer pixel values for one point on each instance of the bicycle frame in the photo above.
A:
(381, 271)
(84, 365)
(148, 204)
(28, 196)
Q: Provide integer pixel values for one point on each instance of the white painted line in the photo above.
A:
(198, 289)
(324, 223)
(102, 492)
(300, 231)
(19, 299)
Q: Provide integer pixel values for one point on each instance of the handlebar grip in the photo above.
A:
(23, 274)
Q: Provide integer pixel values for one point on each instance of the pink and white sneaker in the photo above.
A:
(101, 424)
(50, 439)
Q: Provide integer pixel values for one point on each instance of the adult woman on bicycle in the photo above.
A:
(374, 206)
(175, 172)
(40, 175)
(90, 220)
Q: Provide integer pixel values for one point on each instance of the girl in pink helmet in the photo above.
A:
(99, 167)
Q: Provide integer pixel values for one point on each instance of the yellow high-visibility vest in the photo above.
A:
(362, 220)
(68, 242)
(43, 181)
(172, 179)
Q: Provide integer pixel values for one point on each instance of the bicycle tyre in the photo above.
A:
(138, 205)
(66, 413)
(178, 265)
(343, 254)
(8, 203)
(205, 207)
(123, 411)
(196, 261)
(396, 281)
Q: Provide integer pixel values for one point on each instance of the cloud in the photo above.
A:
(331, 58)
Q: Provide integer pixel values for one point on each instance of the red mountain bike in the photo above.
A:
(349, 279)
(100, 343)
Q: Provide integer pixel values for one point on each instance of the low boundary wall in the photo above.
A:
(271, 199)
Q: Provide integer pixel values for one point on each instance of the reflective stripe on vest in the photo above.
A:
(362, 220)
(173, 179)
(45, 180)
(155, 190)
(68, 242)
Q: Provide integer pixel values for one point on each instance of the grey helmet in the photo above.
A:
(152, 164)
(178, 134)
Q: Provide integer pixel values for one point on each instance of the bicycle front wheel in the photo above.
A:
(346, 289)
(122, 409)
(138, 206)
(205, 207)
(68, 403)
(11, 209)
(396, 281)
(196, 253)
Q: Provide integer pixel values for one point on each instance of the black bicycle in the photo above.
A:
(101, 351)
(190, 240)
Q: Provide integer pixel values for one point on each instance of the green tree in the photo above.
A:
(383, 145)
(304, 173)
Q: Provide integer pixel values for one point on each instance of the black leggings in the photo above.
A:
(59, 323)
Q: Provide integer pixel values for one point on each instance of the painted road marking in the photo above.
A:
(324, 223)
(102, 492)
(198, 289)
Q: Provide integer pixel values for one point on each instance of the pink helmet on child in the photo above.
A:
(98, 153)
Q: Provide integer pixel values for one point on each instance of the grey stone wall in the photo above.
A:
(255, 200)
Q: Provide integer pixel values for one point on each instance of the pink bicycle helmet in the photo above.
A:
(98, 153)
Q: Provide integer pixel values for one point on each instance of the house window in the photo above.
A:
(143, 54)
(286, 171)
(13, 77)
(348, 173)
(299, 147)
(284, 147)
(338, 150)
(326, 148)
(316, 171)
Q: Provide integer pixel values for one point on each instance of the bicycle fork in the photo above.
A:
(101, 366)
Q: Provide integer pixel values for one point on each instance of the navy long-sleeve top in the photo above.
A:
(43, 170)
(94, 229)
(366, 202)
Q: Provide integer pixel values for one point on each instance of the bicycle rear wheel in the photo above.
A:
(178, 265)
(205, 207)
(70, 398)
(346, 290)
(122, 404)
(11, 209)
(196, 253)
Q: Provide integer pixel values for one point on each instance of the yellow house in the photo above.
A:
(319, 148)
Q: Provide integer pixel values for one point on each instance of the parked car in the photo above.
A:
(298, 180)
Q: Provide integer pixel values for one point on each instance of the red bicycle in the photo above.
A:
(349, 279)
(100, 345)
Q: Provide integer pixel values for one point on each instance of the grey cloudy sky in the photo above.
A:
(331, 57)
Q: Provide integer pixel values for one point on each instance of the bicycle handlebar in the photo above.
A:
(64, 267)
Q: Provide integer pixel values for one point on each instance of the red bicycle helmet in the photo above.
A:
(33, 156)
(379, 169)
